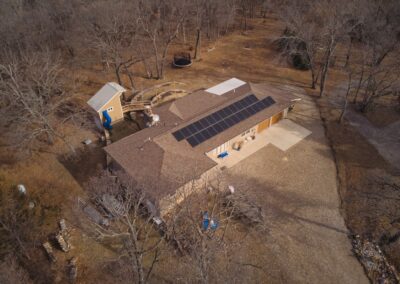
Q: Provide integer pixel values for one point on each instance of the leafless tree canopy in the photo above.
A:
(122, 199)
(316, 28)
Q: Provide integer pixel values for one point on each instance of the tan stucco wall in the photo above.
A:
(167, 204)
(116, 114)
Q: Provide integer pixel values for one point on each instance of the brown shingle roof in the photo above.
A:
(153, 154)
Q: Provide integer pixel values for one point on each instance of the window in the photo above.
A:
(110, 109)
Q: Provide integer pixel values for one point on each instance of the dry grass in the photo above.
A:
(246, 56)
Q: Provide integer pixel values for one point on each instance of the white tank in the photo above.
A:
(156, 118)
(21, 188)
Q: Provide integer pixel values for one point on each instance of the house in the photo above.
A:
(108, 98)
(169, 158)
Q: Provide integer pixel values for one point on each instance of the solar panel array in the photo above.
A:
(215, 123)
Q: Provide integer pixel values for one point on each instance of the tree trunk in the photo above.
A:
(184, 33)
(137, 254)
(324, 73)
(329, 54)
(117, 69)
(162, 64)
(129, 73)
(348, 53)
(145, 63)
(366, 102)
(197, 51)
(156, 57)
(314, 77)
(50, 137)
(346, 100)
(359, 84)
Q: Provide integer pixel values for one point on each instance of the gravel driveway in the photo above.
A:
(307, 239)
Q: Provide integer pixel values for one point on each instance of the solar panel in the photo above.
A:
(270, 99)
(192, 141)
(212, 131)
(206, 134)
(235, 118)
(204, 123)
(178, 135)
(200, 138)
(221, 120)
(211, 119)
(186, 132)
(230, 121)
(192, 128)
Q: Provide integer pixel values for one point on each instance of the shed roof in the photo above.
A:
(226, 86)
(105, 94)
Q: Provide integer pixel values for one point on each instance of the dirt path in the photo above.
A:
(386, 140)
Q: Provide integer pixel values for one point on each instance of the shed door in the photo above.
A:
(276, 118)
(263, 125)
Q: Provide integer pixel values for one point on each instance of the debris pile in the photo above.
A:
(244, 209)
(93, 213)
(62, 237)
(375, 263)
(61, 241)
(49, 251)
(72, 269)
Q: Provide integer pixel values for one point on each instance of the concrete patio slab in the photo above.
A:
(286, 134)
(283, 135)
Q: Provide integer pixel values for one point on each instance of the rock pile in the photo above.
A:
(374, 261)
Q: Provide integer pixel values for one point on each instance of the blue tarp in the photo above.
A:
(107, 123)
(206, 221)
(223, 154)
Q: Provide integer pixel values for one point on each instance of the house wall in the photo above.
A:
(262, 126)
(167, 204)
(116, 113)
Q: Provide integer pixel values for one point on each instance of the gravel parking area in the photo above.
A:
(307, 238)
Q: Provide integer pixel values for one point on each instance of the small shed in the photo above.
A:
(108, 98)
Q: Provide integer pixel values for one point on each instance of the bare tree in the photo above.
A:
(31, 91)
(205, 246)
(346, 97)
(213, 17)
(379, 68)
(112, 31)
(302, 36)
(123, 200)
(160, 22)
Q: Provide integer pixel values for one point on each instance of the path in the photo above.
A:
(386, 140)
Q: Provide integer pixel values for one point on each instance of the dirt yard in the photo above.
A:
(298, 189)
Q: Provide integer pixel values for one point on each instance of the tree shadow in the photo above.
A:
(87, 162)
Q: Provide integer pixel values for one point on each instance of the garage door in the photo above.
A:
(276, 118)
(263, 125)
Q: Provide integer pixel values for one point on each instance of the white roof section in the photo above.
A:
(105, 94)
(226, 86)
